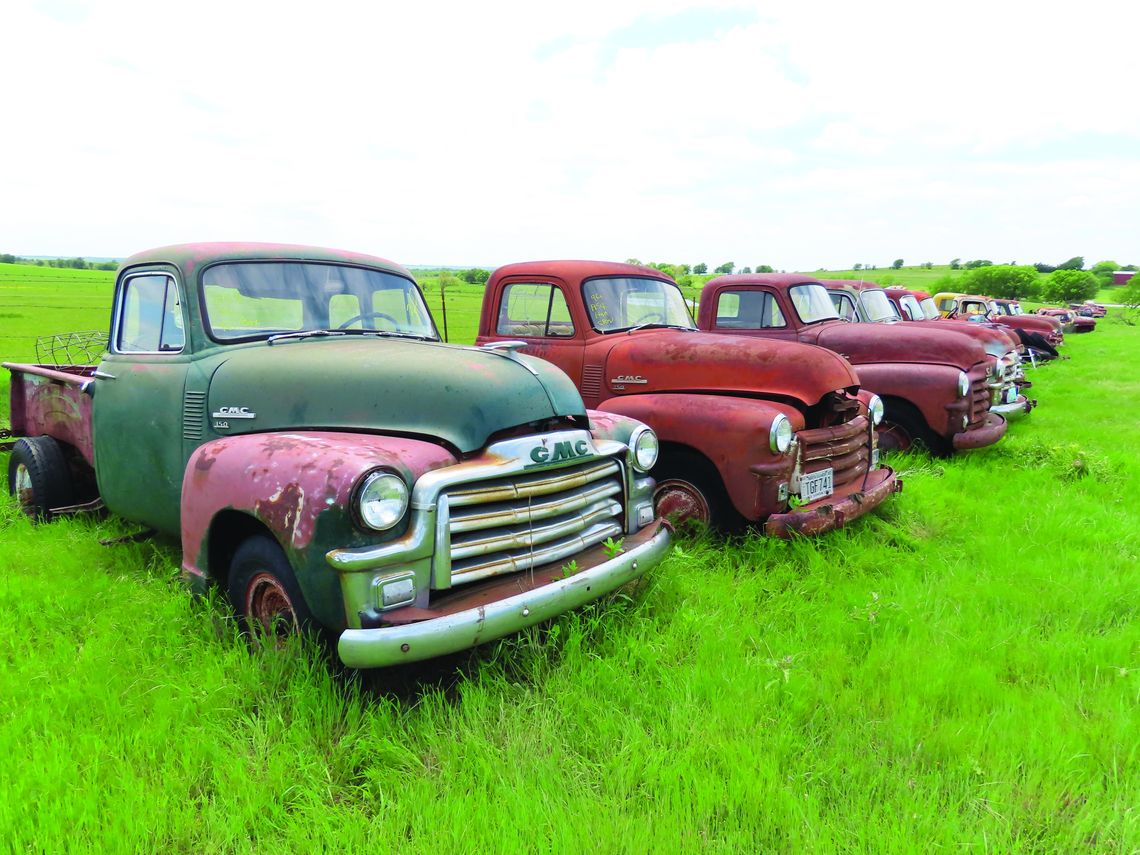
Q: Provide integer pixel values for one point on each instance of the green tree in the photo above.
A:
(978, 262)
(1077, 262)
(897, 264)
(1070, 286)
(1004, 281)
(475, 275)
(700, 269)
(727, 267)
(633, 261)
(857, 267)
(955, 264)
(764, 268)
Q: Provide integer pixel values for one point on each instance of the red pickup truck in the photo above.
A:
(750, 430)
(935, 389)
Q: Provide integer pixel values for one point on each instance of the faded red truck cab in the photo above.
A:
(934, 390)
(765, 431)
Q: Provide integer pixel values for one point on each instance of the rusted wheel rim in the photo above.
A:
(894, 438)
(268, 606)
(25, 495)
(679, 501)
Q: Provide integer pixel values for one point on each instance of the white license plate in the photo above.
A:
(816, 485)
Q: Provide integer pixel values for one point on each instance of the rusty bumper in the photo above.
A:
(836, 511)
(459, 630)
(991, 431)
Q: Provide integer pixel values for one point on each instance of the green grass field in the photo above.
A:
(960, 672)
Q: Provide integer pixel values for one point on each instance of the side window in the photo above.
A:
(532, 309)
(946, 304)
(150, 319)
(845, 306)
(748, 310)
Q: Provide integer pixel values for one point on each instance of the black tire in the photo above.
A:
(904, 429)
(690, 489)
(264, 592)
(39, 476)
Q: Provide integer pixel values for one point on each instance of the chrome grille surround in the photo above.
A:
(845, 448)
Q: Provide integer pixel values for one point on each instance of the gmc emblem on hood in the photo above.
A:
(629, 378)
(234, 413)
(561, 451)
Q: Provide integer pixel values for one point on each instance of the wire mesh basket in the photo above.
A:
(74, 348)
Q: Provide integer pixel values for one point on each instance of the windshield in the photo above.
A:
(878, 306)
(929, 310)
(812, 303)
(622, 303)
(253, 299)
(910, 307)
(1015, 309)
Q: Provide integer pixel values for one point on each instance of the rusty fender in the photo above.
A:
(48, 401)
(299, 486)
(731, 432)
(932, 388)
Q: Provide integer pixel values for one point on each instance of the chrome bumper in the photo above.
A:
(460, 630)
(1015, 410)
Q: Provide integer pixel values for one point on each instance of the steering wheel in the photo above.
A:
(654, 317)
(363, 316)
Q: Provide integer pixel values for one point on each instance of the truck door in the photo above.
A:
(137, 411)
(536, 311)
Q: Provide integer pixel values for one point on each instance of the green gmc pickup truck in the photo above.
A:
(291, 415)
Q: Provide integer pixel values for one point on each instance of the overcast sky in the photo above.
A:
(801, 135)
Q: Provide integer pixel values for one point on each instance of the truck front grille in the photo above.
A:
(980, 399)
(844, 447)
(513, 524)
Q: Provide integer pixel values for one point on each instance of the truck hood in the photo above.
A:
(460, 395)
(1034, 323)
(993, 337)
(682, 361)
(864, 344)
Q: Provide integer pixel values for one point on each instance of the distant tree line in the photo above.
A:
(68, 263)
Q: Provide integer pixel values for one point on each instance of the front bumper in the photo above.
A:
(992, 429)
(836, 510)
(1015, 410)
(510, 605)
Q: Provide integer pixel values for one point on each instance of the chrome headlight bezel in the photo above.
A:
(780, 434)
(644, 446)
(963, 384)
(380, 500)
(876, 409)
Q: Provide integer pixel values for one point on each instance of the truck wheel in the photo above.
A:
(689, 488)
(39, 477)
(903, 428)
(264, 591)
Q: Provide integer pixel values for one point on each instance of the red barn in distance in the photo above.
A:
(1121, 277)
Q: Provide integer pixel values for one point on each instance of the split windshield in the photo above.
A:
(812, 303)
(929, 310)
(622, 303)
(878, 306)
(251, 300)
(910, 308)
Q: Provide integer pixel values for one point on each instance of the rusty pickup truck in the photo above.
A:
(290, 414)
(935, 390)
(753, 431)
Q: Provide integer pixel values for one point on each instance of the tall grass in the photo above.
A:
(959, 671)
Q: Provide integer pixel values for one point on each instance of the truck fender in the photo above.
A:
(928, 387)
(298, 487)
(731, 432)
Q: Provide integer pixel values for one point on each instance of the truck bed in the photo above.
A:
(50, 400)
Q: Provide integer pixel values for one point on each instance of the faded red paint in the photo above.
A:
(991, 335)
(287, 480)
(51, 401)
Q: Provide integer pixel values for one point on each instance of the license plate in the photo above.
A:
(816, 485)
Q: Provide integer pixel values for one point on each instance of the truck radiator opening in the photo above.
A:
(843, 448)
(509, 525)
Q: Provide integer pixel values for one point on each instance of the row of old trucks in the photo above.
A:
(292, 418)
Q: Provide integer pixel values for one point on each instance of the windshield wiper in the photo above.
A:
(300, 334)
(656, 325)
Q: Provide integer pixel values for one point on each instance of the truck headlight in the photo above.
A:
(780, 434)
(643, 447)
(381, 500)
(963, 384)
(875, 408)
